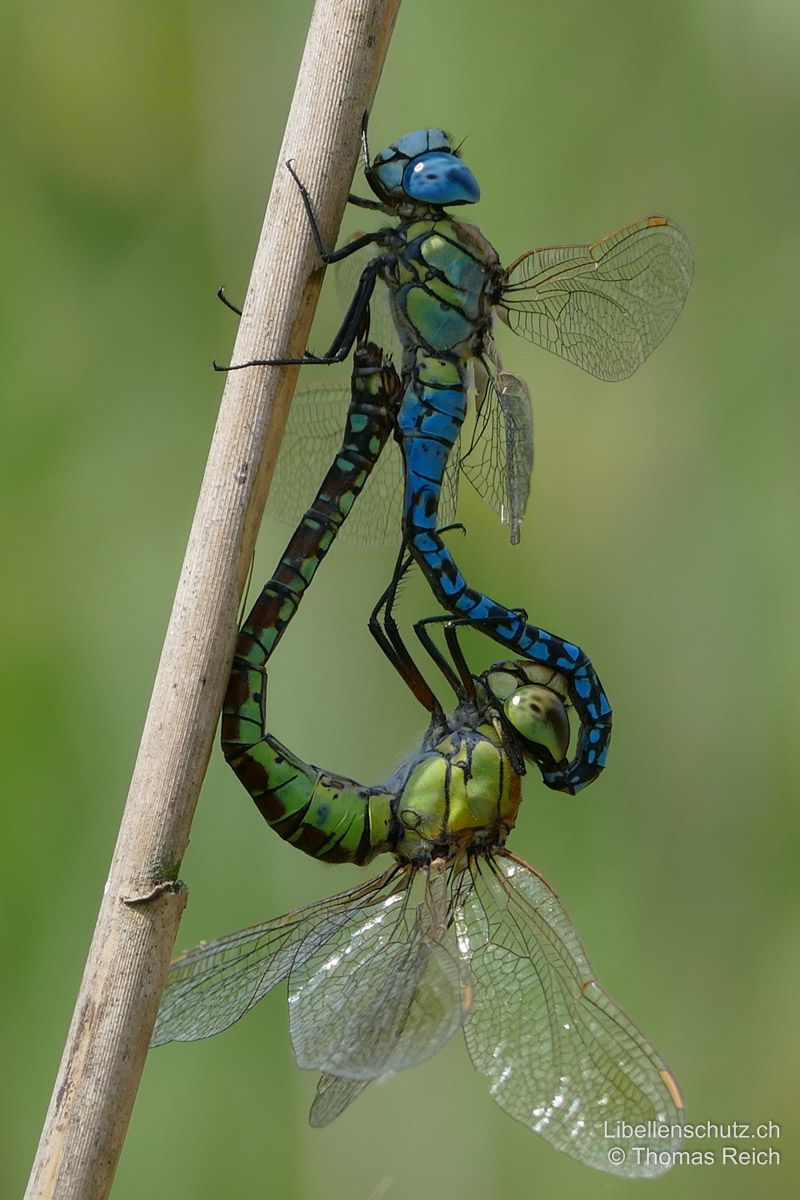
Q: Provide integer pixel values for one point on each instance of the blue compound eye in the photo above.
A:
(439, 178)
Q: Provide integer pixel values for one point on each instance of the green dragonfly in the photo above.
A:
(457, 933)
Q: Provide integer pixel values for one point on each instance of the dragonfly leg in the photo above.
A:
(433, 651)
(356, 315)
(363, 202)
(228, 303)
(462, 679)
(356, 320)
(384, 629)
(330, 256)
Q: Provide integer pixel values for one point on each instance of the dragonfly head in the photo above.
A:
(422, 167)
(532, 699)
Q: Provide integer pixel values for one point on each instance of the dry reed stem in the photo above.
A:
(142, 903)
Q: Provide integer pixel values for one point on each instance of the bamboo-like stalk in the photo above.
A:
(142, 903)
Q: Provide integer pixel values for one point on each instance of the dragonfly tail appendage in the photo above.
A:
(330, 818)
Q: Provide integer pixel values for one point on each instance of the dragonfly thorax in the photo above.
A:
(440, 285)
(461, 796)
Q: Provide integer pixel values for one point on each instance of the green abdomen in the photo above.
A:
(329, 817)
(334, 819)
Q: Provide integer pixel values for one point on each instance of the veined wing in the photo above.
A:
(310, 444)
(383, 992)
(561, 1057)
(603, 306)
(499, 460)
(212, 986)
(334, 1095)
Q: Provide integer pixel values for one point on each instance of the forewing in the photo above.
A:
(210, 987)
(603, 306)
(383, 993)
(560, 1055)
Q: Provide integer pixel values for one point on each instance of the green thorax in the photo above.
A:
(461, 795)
(444, 283)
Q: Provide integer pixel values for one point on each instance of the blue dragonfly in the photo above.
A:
(604, 306)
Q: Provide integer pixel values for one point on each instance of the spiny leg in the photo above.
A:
(342, 343)
(384, 629)
(357, 312)
(461, 679)
(433, 652)
(463, 682)
(460, 688)
(228, 303)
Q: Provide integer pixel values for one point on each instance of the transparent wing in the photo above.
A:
(334, 1095)
(560, 1056)
(603, 306)
(310, 443)
(383, 992)
(212, 986)
(499, 459)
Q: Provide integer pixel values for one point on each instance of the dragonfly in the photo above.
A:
(277, 782)
(458, 933)
(604, 306)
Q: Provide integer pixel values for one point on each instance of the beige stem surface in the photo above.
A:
(142, 902)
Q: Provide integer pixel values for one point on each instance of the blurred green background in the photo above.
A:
(138, 145)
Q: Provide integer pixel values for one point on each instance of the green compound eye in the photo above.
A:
(539, 716)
